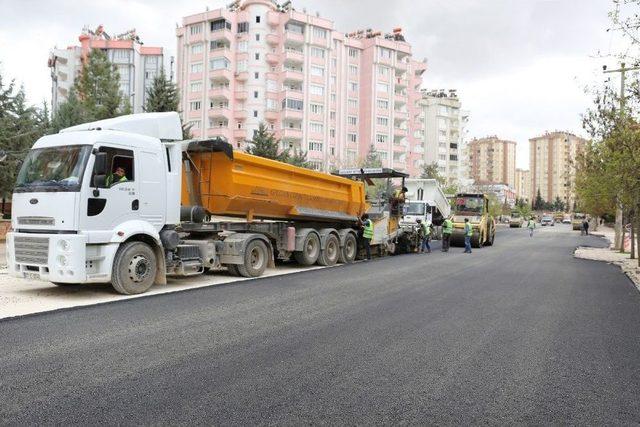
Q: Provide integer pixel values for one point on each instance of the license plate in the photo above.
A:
(32, 276)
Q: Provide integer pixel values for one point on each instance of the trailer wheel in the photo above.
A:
(256, 257)
(310, 250)
(233, 269)
(349, 249)
(329, 255)
(134, 268)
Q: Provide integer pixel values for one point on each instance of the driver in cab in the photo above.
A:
(118, 176)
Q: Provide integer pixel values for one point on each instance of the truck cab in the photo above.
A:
(71, 212)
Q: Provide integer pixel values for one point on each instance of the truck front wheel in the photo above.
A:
(134, 268)
(255, 259)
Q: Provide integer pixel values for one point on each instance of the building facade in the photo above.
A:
(333, 95)
(137, 65)
(492, 161)
(443, 125)
(523, 184)
(552, 167)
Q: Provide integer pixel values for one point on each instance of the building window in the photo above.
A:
(243, 46)
(316, 127)
(352, 137)
(197, 48)
(353, 53)
(256, 75)
(195, 105)
(195, 124)
(219, 24)
(255, 94)
(332, 150)
(258, 37)
(381, 138)
(255, 113)
(292, 104)
(316, 90)
(352, 120)
(257, 19)
(382, 87)
(382, 121)
(195, 29)
(317, 52)
(241, 65)
(315, 146)
(353, 86)
(319, 33)
(384, 53)
(219, 63)
(272, 104)
(332, 115)
(196, 68)
(317, 108)
(243, 27)
(352, 103)
(333, 98)
(317, 71)
(383, 71)
(383, 104)
(353, 70)
(196, 87)
(332, 133)
(257, 56)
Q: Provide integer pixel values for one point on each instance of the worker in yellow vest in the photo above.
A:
(447, 230)
(468, 232)
(367, 234)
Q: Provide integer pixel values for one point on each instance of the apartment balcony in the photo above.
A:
(240, 134)
(401, 83)
(271, 115)
(273, 39)
(221, 34)
(273, 58)
(220, 92)
(293, 38)
(400, 116)
(400, 99)
(196, 38)
(221, 75)
(400, 133)
(291, 134)
(289, 114)
(240, 115)
(293, 76)
(293, 56)
(220, 132)
(242, 76)
(293, 94)
(401, 67)
(241, 95)
(220, 113)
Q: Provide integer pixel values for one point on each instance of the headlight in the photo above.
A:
(62, 260)
(64, 245)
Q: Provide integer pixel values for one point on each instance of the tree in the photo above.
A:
(372, 159)
(558, 204)
(430, 171)
(298, 158)
(162, 95)
(265, 144)
(69, 113)
(539, 203)
(98, 88)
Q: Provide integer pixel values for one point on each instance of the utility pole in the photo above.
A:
(619, 244)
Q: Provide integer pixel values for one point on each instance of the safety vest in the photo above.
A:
(531, 224)
(447, 227)
(368, 229)
(110, 180)
(426, 229)
(468, 230)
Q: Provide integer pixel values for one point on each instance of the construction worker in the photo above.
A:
(447, 230)
(118, 176)
(426, 236)
(468, 232)
(367, 234)
(397, 200)
(531, 225)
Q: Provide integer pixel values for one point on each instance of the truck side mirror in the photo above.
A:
(100, 164)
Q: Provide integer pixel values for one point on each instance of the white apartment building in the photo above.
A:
(137, 65)
(443, 126)
(331, 94)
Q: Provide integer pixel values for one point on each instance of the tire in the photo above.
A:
(233, 269)
(329, 255)
(256, 258)
(134, 268)
(349, 249)
(310, 250)
(492, 237)
(476, 240)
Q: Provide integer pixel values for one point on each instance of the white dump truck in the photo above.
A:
(425, 201)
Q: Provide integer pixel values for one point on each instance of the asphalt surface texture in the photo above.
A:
(519, 333)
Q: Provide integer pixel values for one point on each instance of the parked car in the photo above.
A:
(566, 219)
(547, 220)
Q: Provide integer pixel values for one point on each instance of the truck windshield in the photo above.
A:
(469, 205)
(53, 169)
(415, 208)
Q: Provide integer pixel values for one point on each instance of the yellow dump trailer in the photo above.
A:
(243, 185)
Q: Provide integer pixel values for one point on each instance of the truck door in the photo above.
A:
(117, 201)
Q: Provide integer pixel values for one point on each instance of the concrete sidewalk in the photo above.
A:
(629, 266)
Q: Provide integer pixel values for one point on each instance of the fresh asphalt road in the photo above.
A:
(518, 333)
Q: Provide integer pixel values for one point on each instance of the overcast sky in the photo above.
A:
(520, 66)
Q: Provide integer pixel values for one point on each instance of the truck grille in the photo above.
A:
(31, 250)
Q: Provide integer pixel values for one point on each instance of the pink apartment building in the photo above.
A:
(331, 94)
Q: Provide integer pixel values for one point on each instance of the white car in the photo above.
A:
(547, 220)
